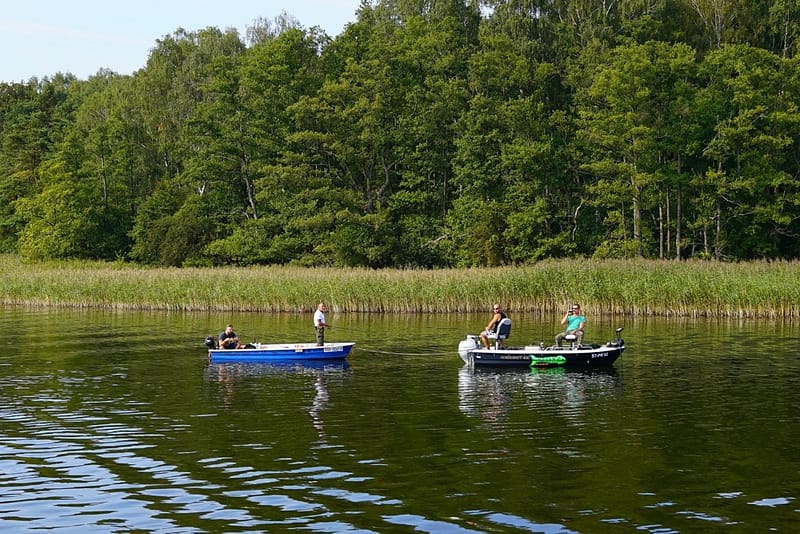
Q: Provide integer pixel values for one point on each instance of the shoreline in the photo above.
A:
(603, 287)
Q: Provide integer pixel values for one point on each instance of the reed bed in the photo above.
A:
(610, 287)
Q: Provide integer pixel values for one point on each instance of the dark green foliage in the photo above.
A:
(33, 117)
(153, 220)
(428, 134)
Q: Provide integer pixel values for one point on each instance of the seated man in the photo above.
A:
(575, 322)
(491, 328)
(228, 339)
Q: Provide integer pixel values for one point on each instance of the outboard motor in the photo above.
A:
(211, 342)
(466, 346)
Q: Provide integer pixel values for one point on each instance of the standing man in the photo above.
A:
(319, 323)
(575, 322)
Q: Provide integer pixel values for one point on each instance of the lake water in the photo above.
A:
(115, 422)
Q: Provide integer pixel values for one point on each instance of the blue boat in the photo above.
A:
(281, 352)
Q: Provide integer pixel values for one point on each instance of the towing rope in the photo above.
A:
(367, 349)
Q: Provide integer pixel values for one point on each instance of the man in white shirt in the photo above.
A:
(319, 323)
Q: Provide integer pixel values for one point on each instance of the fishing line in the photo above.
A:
(367, 349)
(337, 327)
(541, 332)
(377, 351)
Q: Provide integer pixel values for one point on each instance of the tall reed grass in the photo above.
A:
(612, 287)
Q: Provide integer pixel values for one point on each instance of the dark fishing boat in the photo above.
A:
(572, 355)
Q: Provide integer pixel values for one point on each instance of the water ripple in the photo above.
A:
(133, 438)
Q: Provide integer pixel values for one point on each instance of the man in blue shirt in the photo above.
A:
(575, 322)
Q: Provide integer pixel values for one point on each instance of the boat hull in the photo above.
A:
(586, 355)
(548, 357)
(281, 352)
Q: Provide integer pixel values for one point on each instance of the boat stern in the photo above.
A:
(466, 346)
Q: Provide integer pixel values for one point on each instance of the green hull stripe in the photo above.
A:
(548, 360)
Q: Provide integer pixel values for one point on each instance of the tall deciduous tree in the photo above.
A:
(748, 194)
(429, 133)
(191, 79)
(274, 75)
(33, 117)
(624, 118)
(784, 19)
(84, 206)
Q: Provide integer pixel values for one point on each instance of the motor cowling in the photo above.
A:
(210, 342)
(466, 346)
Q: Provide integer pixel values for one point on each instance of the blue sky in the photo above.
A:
(42, 37)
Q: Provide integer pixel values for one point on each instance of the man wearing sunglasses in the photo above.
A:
(575, 322)
(491, 328)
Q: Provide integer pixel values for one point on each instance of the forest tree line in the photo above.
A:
(429, 133)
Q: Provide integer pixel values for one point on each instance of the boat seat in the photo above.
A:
(572, 338)
(503, 331)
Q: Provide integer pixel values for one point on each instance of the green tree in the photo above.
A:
(33, 117)
(784, 19)
(61, 220)
(625, 118)
(191, 109)
(383, 127)
(274, 75)
(748, 197)
(431, 53)
(81, 181)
